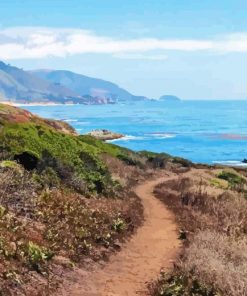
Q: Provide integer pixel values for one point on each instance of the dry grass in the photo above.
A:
(127, 175)
(214, 228)
(218, 260)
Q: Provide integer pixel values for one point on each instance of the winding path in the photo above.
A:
(155, 245)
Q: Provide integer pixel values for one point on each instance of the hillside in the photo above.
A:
(68, 202)
(20, 86)
(87, 86)
(59, 200)
(64, 198)
(59, 87)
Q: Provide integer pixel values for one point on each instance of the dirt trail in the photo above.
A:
(155, 245)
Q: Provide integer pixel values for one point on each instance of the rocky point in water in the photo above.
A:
(170, 98)
(105, 135)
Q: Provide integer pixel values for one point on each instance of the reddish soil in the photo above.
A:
(154, 246)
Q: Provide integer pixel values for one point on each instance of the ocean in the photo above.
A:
(202, 131)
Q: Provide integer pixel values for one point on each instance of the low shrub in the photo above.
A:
(184, 162)
(219, 183)
(119, 225)
(37, 255)
(234, 180)
(157, 160)
(180, 285)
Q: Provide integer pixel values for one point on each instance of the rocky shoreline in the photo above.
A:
(105, 135)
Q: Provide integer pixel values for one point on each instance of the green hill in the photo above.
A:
(55, 144)
(64, 198)
(61, 196)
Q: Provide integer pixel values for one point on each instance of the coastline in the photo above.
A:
(165, 133)
(35, 104)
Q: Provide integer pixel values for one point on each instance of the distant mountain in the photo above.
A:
(17, 85)
(170, 98)
(42, 86)
(86, 86)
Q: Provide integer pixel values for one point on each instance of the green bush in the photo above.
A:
(184, 162)
(48, 178)
(38, 255)
(233, 179)
(55, 150)
(157, 160)
(119, 225)
(9, 164)
(124, 154)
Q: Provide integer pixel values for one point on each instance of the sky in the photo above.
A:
(194, 49)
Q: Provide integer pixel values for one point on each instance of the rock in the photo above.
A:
(244, 160)
(169, 98)
(104, 135)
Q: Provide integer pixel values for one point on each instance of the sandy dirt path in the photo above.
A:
(154, 246)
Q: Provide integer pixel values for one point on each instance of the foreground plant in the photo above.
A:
(214, 260)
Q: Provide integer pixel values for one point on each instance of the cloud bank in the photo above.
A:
(38, 43)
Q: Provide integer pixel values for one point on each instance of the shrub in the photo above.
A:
(9, 164)
(119, 225)
(33, 149)
(184, 162)
(38, 255)
(234, 180)
(157, 160)
(181, 285)
(48, 178)
(219, 183)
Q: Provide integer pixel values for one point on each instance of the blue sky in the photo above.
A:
(194, 49)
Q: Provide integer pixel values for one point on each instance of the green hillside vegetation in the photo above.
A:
(40, 144)
(59, 201)
(235, 181)
(64, 198)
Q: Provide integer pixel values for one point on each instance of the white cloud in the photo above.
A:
(38, 42)
(140, 56)
(233, 43)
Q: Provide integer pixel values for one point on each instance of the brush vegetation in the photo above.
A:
(67, 200)
(213, 220)
(61, 200)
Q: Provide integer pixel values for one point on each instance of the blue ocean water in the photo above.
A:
(202, 131)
